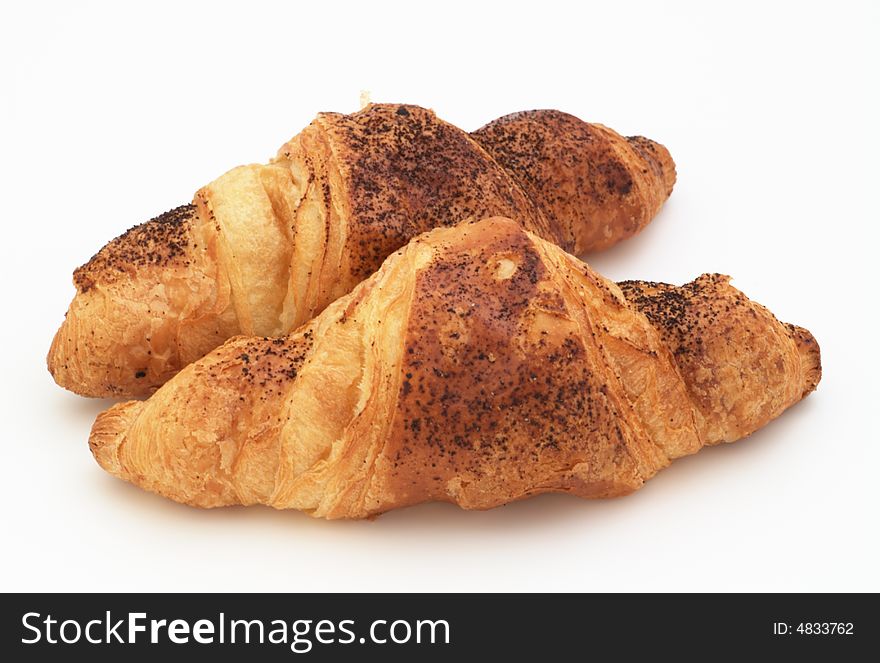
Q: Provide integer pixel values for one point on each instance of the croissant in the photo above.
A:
(264, 248)
(479, 365)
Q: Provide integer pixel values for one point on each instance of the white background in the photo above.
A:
(112, 115)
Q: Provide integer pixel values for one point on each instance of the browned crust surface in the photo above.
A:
(741, 365)
(268, 247)
(594, 185)
(479, 365)
(160, 242)
(406, 171)
(503, 395)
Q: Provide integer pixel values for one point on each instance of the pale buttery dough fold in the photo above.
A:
(264, 248)
(479, 365)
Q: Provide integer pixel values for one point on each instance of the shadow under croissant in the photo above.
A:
(430, 519)
(77, 411)
(634, 251)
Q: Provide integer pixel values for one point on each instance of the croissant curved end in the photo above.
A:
(60, 360)
(810, 355)
(101, 324)
(667, 165)
(146, 304)
(659, 157)
(108, 433)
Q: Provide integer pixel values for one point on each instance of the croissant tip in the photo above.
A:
(108, 432)
(51, 364)
(667, 165)
(64, 364)
(58, 358)
(811, 357)
(659, 156)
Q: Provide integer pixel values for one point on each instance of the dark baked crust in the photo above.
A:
(159, 242)
(502, 395)
(268, 247)
(406, 171)
(738, 361)
(595, 186)
(479, 365)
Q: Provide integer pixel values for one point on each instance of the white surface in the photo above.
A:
(112, 115)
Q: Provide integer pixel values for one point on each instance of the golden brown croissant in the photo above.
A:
(264, 248)
(479, 365)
